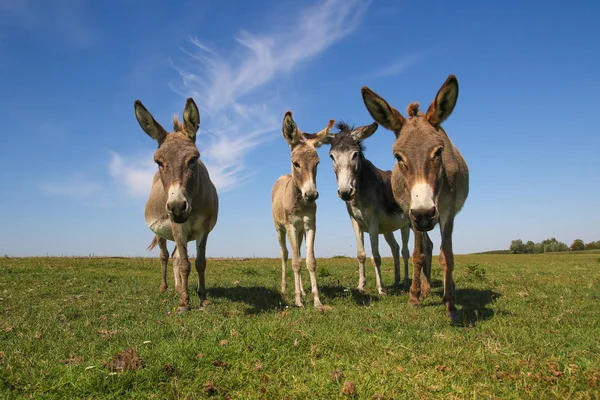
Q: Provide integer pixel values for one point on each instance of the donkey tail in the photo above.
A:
(153, 244)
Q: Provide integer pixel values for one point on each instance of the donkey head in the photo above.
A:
(347, 154)
(304, 155)
(419, 151)
(177, 157)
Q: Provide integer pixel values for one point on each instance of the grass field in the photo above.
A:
(531, 329)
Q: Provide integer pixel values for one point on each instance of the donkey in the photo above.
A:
(183, 203)
(430, 179)
(368, 195)
(294, 207)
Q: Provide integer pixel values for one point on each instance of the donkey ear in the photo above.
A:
(148, 123)
(290, 130)
(444, 102)
(321, 137)
(363, 132)
(381, 111)
(191, 118)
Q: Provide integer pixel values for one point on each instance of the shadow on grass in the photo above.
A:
(474, 304)
(259, 298)
(336, 291)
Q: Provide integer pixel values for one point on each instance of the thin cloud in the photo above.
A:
(133, 174)
(397, 67)
(237, 91)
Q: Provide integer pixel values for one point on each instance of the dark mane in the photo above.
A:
(344, 130)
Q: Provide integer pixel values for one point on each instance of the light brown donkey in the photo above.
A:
(183, 203)
(294, 207)
(430, 179)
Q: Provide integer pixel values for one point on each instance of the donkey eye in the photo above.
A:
(159, 163)
(332, 157)
(398, 158)
(355, 155)
(438, 153)
(296, 164)
(192, 162)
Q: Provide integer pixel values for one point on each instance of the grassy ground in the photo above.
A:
(531, 330)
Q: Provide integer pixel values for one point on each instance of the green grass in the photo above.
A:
(531, 329)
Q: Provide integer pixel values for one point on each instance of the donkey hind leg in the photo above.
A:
(361, 255)
(405, 232)
(284, 257)
(201, 267)
(428, 252)
(164, 260)
(295, 237)
(391, 241)
(376, 257)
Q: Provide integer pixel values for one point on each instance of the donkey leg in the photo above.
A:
(311, 262)
(284, 257)
(361, 255)
(201, 267)
(447, 264)
(376, 257)
(183, 269)
(405, 254)
(427, 246)
(164, 260)
(391, 241)
(418, 259)
(295, 236)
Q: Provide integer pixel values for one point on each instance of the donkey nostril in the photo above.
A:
(316, 195)
(168, 207)
(185, 206)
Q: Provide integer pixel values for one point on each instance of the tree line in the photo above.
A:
(550, 245)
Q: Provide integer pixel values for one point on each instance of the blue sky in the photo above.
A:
(76, 168)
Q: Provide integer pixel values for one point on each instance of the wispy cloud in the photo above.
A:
(134, 174)
(238, 92)
(396, 67)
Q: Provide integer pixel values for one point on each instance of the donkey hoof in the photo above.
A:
(204, 302)
(163, 288)
(183, 309)
(382, 293)
(414, 301)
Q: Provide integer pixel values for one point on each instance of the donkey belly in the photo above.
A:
(392, 222)
(162, 228)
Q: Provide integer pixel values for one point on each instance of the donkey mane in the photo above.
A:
(413, 110)
(177, 125)
(344, 130)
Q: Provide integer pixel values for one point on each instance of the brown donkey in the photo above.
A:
(294, 207)
(430, 179)
(371, 206)
(183, 203)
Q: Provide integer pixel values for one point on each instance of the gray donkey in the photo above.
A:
(367, 192)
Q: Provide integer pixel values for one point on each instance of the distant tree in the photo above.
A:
(517, 247)
(577, 245)
(552, 245)
(530, 247)
(593, 245)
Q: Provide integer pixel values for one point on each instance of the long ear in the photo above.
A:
(191, 118)
(381, 111)
(363, 132)
(148, 123)
(321, 137)
(444, 102)
(290, 130)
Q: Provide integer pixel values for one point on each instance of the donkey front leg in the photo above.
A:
(311, 262)
(361, 255)
(405, 232)
(391, 240)
(201, 266)
(284, 257)
(447, 264)
(418, 260)
(427, 247)
(181, 269)
(164, 260)
(295, 236)
(376, 257)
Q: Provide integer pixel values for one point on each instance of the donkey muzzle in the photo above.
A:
(346, 194)
(311, 196)
(424, 219)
